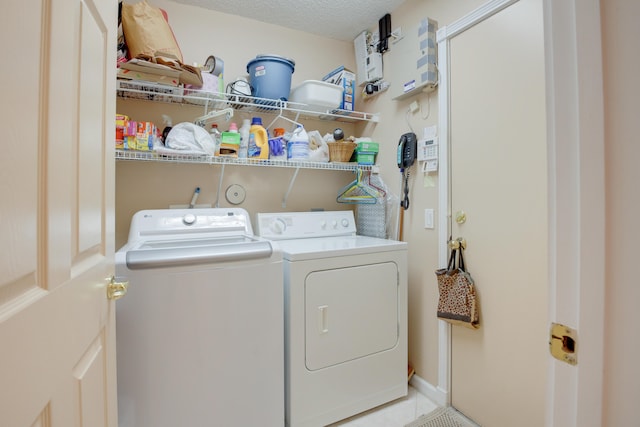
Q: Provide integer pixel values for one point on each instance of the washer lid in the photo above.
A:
(329, 247)
(190, 252)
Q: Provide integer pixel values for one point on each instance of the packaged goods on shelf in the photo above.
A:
(366, 153)
(132, 135)
(347, 80)
(121, 122)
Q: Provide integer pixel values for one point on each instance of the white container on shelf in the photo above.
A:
(298, 145)
(318, 95)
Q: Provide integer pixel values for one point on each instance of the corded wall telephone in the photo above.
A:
(407, 150)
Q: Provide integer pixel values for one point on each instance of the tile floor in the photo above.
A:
(397, 413)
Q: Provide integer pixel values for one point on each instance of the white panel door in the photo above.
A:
(499, 180)
(57, 362)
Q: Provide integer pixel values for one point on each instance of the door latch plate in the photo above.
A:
(563, 343)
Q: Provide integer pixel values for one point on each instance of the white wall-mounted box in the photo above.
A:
(412, 61)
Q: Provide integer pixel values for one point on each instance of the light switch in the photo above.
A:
(428, 218)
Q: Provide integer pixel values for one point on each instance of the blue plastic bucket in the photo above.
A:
(270, 76)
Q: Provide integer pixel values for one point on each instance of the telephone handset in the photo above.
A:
(407, 150)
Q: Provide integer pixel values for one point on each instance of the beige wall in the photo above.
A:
(237, 40)
(621, 60)
(423, 243)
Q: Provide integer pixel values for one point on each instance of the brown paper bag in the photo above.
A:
(147, 32)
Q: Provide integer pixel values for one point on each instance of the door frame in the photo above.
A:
(576, 199)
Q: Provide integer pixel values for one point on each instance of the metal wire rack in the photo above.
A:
(152, 156)
(133, 89)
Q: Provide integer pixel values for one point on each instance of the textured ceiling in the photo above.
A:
(336, 19)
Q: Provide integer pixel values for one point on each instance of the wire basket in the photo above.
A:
(341, 151)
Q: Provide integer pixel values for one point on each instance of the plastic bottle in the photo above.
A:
(244, 139)
(217, 136)
(258, 140)
(298, 145)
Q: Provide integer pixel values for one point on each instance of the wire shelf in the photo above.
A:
(132, 89)
(215, 160)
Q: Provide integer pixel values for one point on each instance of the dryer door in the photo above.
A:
(350, 313)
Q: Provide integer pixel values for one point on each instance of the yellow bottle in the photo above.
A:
(258, 140)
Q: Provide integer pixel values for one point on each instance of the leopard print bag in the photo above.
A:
(457, 303)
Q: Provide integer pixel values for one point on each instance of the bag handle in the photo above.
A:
(461, 260)
(451, 265)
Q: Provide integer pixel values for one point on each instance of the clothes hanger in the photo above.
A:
(371, 184)
(281, 116)
(358, 192)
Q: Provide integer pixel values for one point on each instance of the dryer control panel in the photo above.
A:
(305, 225)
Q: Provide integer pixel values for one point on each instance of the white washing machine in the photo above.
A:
(345, 316)
(200, 331)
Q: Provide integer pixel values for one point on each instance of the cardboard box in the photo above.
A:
(121, 124)
(147, 77)
(345, 78)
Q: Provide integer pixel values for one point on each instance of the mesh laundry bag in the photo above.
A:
(373, 218)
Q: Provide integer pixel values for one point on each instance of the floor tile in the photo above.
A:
(393, 414)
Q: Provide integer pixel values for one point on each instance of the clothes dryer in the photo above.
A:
(345, 316)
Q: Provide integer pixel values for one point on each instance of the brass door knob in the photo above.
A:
(116, 289)
(458, 243)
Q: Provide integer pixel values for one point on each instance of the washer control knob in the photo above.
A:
(334, 224)
(323, 225)
(345, 222)
(189, 219)
(278, 226)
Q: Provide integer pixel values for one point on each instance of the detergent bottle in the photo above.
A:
(258, 140)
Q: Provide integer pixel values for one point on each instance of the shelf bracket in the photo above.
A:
(286, 195)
